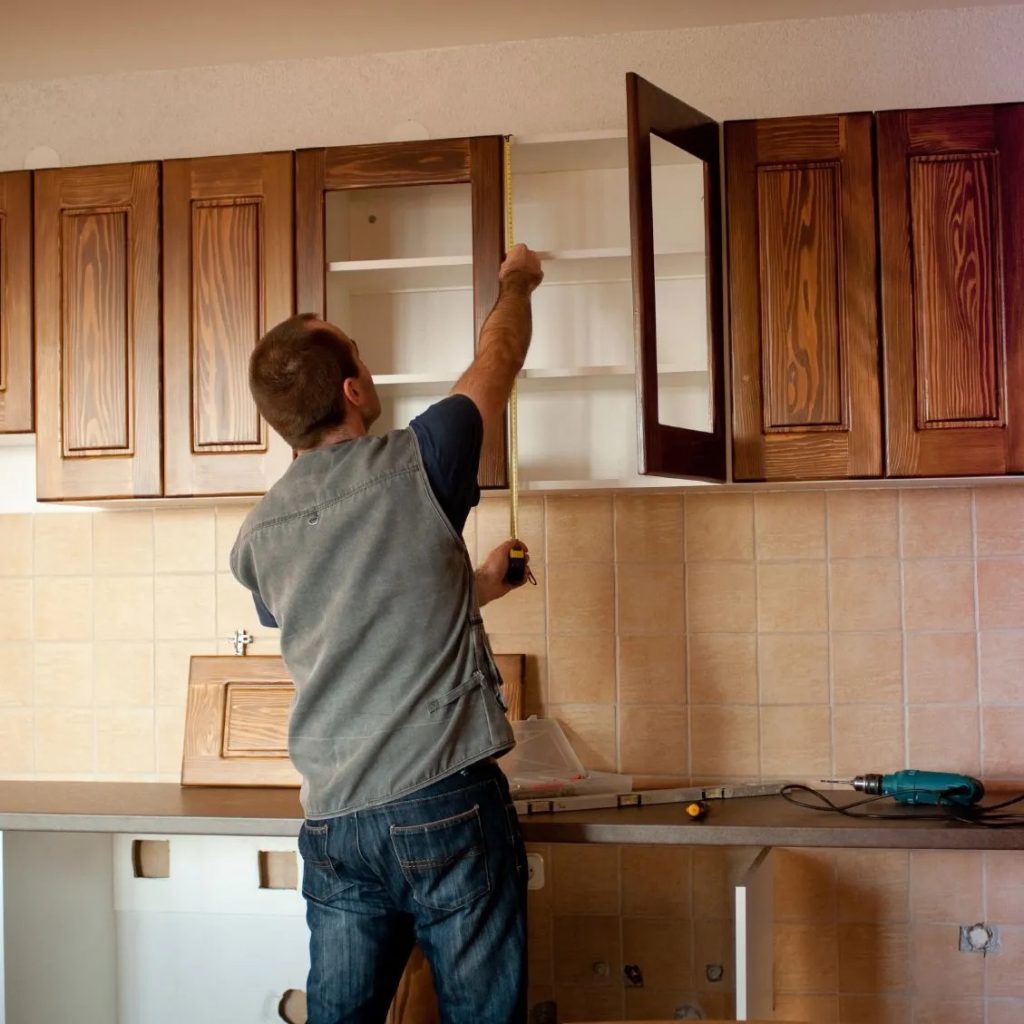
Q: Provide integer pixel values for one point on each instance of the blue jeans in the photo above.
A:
(444, 867)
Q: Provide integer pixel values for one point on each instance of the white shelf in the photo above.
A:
(566, 266)
(421, 273)
(537, 378)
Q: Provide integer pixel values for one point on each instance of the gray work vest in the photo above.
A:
(395, 684)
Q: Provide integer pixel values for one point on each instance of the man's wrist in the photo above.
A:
(517, 283)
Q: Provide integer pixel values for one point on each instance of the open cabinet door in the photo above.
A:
(675, 205)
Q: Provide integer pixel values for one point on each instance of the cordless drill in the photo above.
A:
(915, 787)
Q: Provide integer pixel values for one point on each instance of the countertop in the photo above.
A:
(166, 808)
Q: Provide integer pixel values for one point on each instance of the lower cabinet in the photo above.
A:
(207, 929)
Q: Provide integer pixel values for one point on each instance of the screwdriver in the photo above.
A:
(911, 786)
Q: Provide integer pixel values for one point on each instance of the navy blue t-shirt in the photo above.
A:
(450, 434)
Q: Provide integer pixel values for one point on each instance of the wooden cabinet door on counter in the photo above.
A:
(951, 209)
(97, 292)
(802, 285)
(16, 302)
(228, 248)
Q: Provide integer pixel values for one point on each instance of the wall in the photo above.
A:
(721, 635)
(543, 85)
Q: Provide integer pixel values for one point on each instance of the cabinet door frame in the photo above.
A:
(666, 450)
(922, 441)
(263, 183)
(476, 161)
(119, 208)
(805, 359)
(16, 385)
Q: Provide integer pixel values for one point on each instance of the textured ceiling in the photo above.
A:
(58, 38)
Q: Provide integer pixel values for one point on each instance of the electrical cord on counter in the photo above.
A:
(978, 814)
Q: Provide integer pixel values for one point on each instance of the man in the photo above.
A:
(356, 553)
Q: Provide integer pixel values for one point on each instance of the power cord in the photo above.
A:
(980, 815)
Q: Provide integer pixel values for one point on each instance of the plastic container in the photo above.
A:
(543, 764)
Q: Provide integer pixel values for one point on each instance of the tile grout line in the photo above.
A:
(977, 632)
(903, 630)
(829, 624)
(757, 635)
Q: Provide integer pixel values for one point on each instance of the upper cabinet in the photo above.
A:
(676, 226)
(802, 284)
(399, 245)
(15, 302)
(228, 279)
(951, 211)
(97, 293)
(226, 252)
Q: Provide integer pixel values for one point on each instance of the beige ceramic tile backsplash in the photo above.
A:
(711, 636)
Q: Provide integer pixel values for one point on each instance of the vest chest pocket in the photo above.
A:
(444, 862)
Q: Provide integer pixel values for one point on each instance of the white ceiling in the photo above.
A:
(58, 38)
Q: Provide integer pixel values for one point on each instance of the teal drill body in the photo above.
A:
(916, 787)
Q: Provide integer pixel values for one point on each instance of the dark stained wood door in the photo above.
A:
(802, 288)
(951, 222)
(228, 258)
(476, 161)
(16, 302)
(97, 294)
(665, 449)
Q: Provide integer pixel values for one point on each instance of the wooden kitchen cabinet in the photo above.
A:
(228, 278)
(400, 244)
(15, 302)
(102, 317)
(97, 295)
(802, 287)
(951, 224)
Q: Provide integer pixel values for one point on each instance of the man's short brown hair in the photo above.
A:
(296, 372)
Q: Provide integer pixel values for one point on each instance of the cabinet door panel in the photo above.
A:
(227, 280)
(665, 448)
(476, 162)
(98, 332)
(16, 302)
(802, 279)
(952, 247)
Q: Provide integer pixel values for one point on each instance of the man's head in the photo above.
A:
(307, 379)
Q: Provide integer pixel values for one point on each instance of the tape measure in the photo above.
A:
(518, 570)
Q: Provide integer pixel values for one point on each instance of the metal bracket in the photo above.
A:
(241, 638)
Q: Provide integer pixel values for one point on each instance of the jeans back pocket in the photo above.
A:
(444, 861)
(320, 881)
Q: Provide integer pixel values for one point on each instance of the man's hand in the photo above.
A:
(521, 267)
(490, 577)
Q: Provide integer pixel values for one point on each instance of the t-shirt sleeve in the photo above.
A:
(450, 435)
(263, 613)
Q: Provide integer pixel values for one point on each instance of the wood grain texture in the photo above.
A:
(97, 295)
(951, 223)
(256, 719)
(211, 755)
(664, 450)
(228, 278)
(96, 353)
(426, 162)
(16, 388)
(236, 719)
(801, 355)
(955, 241)
(802, 287)
(476, 161)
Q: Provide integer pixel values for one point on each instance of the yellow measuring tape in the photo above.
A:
(513, 398)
